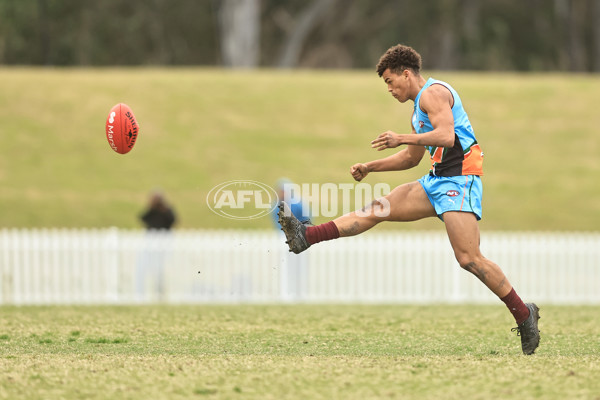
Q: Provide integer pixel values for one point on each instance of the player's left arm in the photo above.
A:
(437, 102)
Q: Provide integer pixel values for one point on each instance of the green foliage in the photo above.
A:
(530, 35)
(295, 352)
(110, 32)
(203, 127)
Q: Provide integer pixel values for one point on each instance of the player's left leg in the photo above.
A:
(463, 232)
(407, 202)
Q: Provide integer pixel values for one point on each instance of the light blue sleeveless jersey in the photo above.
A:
(465, 157)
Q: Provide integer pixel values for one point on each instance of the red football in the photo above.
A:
(121, 128)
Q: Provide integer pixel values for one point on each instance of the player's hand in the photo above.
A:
(359, 171)
(387, 140)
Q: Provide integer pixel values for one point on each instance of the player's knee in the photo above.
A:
(464, 262)
(467, 260)
(378, 210)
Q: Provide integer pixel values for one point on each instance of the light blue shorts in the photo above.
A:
(454, 193)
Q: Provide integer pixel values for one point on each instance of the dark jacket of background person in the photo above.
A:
(159, 214)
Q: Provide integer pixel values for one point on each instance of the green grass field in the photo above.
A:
(294, 352)
(202, 127)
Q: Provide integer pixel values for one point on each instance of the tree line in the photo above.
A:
(522, 35)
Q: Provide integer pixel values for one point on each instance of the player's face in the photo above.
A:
(398, 84)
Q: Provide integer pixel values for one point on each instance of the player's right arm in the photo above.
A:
(405, 159)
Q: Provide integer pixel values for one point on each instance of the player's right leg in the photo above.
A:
(407, 202)
(463, 232)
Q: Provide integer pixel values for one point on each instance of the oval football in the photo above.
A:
(121, 128)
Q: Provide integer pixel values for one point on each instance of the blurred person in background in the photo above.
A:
(451, 191)
(294, 270)
(160, 214)
(158, 218)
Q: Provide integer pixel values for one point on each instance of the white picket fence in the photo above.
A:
(111, 266)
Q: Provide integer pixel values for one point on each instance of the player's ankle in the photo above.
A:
(320, 233)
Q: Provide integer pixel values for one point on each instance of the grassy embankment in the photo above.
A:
(203, 127)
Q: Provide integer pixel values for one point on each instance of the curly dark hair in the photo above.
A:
(398, 58)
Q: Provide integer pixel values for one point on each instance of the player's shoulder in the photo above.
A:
(436, 92)
(437, 88)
